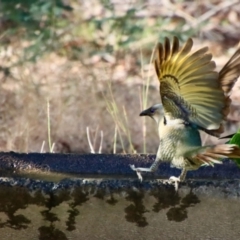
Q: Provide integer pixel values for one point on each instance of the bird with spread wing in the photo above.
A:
(194, 97)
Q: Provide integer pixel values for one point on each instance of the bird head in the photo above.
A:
(155, 112)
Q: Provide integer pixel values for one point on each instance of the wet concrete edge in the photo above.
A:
(107, 164)
(224, 177)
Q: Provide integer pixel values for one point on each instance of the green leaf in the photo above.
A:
(235, 140)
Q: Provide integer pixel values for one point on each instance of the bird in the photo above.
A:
(195, 97)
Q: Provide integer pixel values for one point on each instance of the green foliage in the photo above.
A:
(124, 28)
(236, 140)
(33, 21)
(33, 15)
(47, 26)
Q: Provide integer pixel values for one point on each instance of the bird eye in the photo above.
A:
(152, 110)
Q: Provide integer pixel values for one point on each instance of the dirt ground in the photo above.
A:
(103, 92)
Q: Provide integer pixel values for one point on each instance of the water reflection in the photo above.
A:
(10, 202)
(135, 211)
(168, 198)
(133, 204)
(51, 201)
(79, 197)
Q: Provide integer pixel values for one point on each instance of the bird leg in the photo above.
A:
(172, 180)
(176, 180)
(153, 168)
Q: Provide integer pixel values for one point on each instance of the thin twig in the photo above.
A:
(42, 147)
(49, 126)
(143, 102)
(89, 141)
(213, 11)
(101, 142)
(115, 139)
(127, 131)
(95, 137)
(52, 148)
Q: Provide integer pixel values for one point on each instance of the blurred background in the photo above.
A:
(75, 73)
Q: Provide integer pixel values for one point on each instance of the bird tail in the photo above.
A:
(214, 154)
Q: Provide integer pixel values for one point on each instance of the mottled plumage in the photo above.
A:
(194, 97)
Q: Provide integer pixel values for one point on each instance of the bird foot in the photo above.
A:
(138, 172)
(173, 181)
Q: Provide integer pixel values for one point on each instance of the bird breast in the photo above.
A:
(175, 139)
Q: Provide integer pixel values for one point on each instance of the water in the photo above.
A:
(73, 208)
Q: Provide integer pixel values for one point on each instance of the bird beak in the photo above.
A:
(145, 113)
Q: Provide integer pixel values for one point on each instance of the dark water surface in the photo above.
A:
(118, 209)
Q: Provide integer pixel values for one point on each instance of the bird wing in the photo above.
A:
(230, 72)
(227, 78)
(189, 86)
(212, 154)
